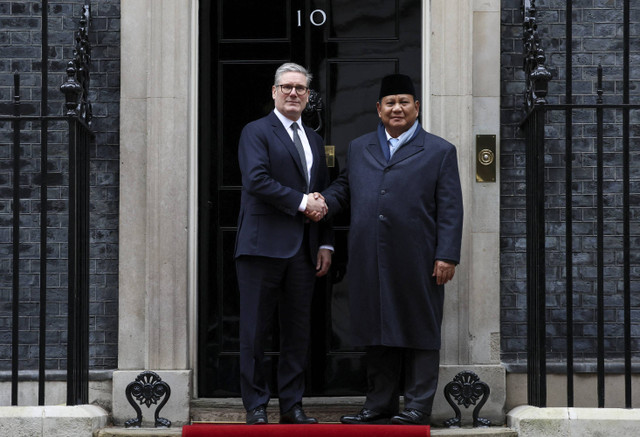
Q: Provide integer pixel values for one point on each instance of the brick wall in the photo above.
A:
(597, 38)
(20, 51)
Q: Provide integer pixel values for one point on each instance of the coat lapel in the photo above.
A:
(376, 145)
(410, 148)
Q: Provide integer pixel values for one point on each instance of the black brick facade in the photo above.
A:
(20, 51)
(597, 38)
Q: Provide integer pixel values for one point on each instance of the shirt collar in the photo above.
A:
(406, 135)
(286, 122)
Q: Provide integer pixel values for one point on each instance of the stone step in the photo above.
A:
(139, 432)
(326, 410)
(436, 432)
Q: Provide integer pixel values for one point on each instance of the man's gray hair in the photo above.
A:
(291, 67)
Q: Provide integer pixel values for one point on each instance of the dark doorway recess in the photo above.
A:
(348, 45)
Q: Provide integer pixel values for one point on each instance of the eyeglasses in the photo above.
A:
(300, 90)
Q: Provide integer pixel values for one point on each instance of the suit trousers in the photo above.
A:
(385, 366)
(267, 284)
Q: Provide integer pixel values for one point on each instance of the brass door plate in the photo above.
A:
(485, 158)
(330, 153)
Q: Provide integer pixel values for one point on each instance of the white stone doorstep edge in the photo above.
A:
(531, 421)
(78, 420)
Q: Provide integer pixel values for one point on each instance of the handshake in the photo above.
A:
(316, 207)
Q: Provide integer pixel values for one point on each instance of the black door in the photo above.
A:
(348, 45)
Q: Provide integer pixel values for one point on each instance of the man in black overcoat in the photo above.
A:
(403, 187)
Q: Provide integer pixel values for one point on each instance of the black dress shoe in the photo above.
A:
(296, 415)
(257, 416)
(411, 416)
(365, 417)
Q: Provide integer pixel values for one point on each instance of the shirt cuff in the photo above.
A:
(326, 246)
(303, 203)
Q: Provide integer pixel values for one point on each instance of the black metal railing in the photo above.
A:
(596, 118)
(77, 120)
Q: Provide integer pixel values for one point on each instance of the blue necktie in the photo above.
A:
(393, 143)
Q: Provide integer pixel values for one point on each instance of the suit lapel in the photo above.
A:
(280, 132)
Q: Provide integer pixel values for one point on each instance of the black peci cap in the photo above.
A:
(396, 84)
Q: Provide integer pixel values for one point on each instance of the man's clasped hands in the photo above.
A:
(316, 207)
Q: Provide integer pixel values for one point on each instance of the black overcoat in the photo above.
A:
(405, 214)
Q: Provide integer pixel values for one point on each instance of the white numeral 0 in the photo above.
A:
(312, 18)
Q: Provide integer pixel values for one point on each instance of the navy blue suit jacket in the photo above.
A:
(273, 183)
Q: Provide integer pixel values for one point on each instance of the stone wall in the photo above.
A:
(20, 51)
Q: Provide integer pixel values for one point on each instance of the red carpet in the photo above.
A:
(316, 430)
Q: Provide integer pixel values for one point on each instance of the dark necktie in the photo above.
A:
(300, 148)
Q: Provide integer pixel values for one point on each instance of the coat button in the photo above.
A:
(381, 217)
(383, 191)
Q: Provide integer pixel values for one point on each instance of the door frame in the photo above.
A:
(193, 231)
(192, 214)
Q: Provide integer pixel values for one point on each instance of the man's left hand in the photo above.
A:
(443, 271)
(324, 262)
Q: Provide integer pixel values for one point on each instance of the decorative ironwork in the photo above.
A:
(76, 87)
(537, 76)
(148, 388)
(79, 138)
(313, 112)
(466, 388)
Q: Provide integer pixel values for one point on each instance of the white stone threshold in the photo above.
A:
(52, 421)
(531, 421)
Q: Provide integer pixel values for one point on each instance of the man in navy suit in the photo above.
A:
(279, 251)
(403, 186)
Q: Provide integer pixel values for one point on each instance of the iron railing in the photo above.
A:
(78, 121)
(540, 113)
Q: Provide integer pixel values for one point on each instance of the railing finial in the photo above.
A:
(76, 87)
(537, 75)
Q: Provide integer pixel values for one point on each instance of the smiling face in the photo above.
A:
(291, 104)
(398, 113)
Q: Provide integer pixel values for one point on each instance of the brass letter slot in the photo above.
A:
(485, 158)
